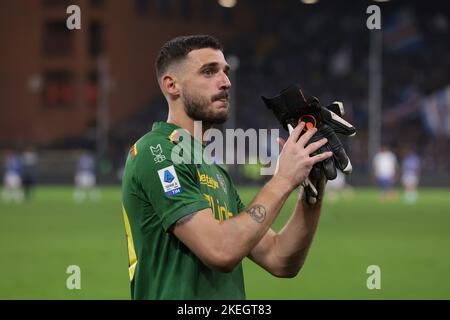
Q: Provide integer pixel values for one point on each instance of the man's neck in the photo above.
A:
(188, 124)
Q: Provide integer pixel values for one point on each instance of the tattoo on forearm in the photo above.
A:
(257, 212)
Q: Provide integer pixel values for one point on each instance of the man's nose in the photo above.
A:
(225, 83)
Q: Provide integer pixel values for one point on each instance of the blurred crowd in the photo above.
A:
(328, 57)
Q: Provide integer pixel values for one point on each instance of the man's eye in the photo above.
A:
(208, 72)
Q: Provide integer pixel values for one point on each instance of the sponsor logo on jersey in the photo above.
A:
(207, 180)
(222, 182)
(169, 180)
(219, 208)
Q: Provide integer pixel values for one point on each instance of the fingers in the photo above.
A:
(308, 185)
(321, 156)
(329, 168)
(305, 138)
(311, 193)
(295, 133)
(337, 123)
(343, 161)
(311, 148)
(281, 142)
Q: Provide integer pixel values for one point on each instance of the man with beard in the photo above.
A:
(187, 229)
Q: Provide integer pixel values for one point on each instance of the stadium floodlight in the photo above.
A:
(227, 3)
(310, 1)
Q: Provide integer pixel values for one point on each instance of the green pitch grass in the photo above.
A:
(410, 243)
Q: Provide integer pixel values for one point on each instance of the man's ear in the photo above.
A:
(170, 86)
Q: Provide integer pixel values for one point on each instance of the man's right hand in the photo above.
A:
(295, 163)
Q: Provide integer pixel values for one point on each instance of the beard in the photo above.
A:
(198, 108)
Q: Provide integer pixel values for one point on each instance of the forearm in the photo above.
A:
(243, 232)
(292, 243)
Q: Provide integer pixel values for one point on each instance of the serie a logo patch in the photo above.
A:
(169, 180)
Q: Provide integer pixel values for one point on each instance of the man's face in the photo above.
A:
(205, 86)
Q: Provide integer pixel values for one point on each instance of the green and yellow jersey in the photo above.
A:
(156, 192)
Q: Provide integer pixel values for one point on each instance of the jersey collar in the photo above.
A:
(164, 127)
(167, 129)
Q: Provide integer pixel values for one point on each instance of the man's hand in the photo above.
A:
(295, 161)
(291, 106)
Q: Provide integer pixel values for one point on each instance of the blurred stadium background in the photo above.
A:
(64, 92)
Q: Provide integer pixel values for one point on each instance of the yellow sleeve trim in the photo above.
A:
(131, 251)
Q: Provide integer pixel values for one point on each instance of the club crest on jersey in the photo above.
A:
(169, 180)
(157, 152)
(222, 182)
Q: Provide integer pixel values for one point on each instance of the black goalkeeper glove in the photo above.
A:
(292, 106)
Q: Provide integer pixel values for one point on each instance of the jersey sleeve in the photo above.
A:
(171, 189)
(240, 205)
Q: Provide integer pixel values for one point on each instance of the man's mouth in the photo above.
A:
(221, 97)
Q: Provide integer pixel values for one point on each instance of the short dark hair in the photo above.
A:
(179, 47)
